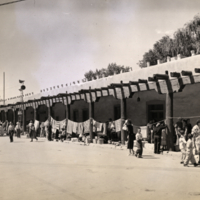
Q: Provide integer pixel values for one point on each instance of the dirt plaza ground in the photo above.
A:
(55, 170)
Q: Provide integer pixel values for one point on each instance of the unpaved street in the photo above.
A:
(53, 170)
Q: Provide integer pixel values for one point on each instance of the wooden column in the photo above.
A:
(14, 120)
(91, 115)
(23, 118)
(123, 117)
(5, 113)
(67, 114)
(169, 120)
(34, 114)
(49, 112)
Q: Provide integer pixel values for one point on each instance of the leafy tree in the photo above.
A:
(184, 40)
(112, 69)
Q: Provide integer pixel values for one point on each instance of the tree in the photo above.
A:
(112, 68)
(184, 40)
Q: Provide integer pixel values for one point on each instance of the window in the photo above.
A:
(85, 114)
(155, 112)
(75, 115)
(117, 112)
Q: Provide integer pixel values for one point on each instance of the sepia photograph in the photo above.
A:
(99, 99)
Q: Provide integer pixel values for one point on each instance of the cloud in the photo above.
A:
(168, 32)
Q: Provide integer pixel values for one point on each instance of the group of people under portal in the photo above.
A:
(189, 141)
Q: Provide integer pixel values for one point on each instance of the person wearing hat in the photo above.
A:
(157, 137)
(131, 136)
(32, 132)
(11, 131)
(18, 129)
(196, 138)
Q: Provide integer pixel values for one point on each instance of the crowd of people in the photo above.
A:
(186, 138)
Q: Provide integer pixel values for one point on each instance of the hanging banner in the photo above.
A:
(83, 96)
(175, 85)
(64, 100)
(134, 88)
(111, 92)
(142, 87)
(98, 93)
(126, 91)
(73, 97)
(186, 80)
(153, 86)
(163, 87)
(93, 94)
(88, 97)
(77, 97)
(119, 93)
(196, 78)
(69, 100)
(104, 92)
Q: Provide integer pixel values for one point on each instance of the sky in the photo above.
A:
(48, 42)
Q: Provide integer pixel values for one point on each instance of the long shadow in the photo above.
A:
(18, 142)
(11, 2)
(149, 157)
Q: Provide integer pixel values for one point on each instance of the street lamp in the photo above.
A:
(21, 117)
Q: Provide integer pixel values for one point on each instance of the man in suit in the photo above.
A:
(157, 136)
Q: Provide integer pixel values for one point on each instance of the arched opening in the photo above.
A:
(79, 111)
(10, 115)
(42, 113)
(3, 116)
(58, 111)
(16, 115)
(29, 115)
(107, 107)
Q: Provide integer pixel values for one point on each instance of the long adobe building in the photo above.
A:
(164, 91)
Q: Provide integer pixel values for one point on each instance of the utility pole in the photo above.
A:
(4, 88)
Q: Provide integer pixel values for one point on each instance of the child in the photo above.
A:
(189, 153)
(182, 147)
(139, 150)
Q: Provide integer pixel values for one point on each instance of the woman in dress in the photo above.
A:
(196, 139)
(11, 131)
(131, 136)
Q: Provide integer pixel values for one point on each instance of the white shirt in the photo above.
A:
(182, 143)
(196, 134)
(189, 146)
(139, 136)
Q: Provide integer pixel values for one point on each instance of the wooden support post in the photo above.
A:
(123, 114)
(123, 117)
(6, 117)
(169, 120)
(91, 115)
(23, 118)
(49, 113)
(34, 114)
(14, 120)
(67, 113)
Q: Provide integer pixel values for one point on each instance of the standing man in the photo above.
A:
(11, 131)
(18, 129)
(32, 132)
(157, 137)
